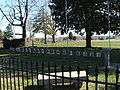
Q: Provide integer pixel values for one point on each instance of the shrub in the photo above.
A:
(13, 43)
(17, 43)
(6, 43)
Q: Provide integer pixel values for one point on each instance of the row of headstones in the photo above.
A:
(59, 51)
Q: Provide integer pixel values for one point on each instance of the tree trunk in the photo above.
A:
(88, 37)
(45, 39)
(53, 38)
(24, 34)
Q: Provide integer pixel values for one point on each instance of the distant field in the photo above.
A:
(81, 43)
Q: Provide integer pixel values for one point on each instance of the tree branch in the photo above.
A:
(14, 15)
(16, 24)
(21, 18)
(9, 19)
(5, 16)
(26, 12)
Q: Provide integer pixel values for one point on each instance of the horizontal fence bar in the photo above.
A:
(18, 74)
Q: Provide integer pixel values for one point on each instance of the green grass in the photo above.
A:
(82, 43)
(62, 44)
(105, 43)
(101, 78)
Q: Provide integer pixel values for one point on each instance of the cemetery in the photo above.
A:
(78, 47)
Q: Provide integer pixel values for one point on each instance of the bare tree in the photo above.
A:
(18, 13)
(29, 28)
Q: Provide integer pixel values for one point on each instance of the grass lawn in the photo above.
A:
(81, 43)
(101, 77)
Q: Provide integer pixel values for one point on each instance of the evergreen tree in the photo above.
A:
(94, 15)
(8, 33)
(43, 23)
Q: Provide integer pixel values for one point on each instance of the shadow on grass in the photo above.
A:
(108, 88)
(113, 88)
(58, 87)
(34, 87)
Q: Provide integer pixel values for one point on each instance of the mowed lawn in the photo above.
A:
(78, 43)
(82, 43)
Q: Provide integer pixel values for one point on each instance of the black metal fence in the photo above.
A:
(89, 56)
(17, 74)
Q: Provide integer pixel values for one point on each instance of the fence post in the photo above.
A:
(106, 77)
(87, 78)
(22, 74)
(31, 64)
(43, 73)
(106, 53)
(70, 75)
(3, 86)
(49, 75)
(18, 75)
(78, 81)
(10, 74)
(27, 70)
(0, 78)
(37, 72)
(6, 71)
(96, 78)
(55, 74)
(117, 77)
(62, 67)
(13, 62)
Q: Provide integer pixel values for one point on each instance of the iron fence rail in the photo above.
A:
(16, 74)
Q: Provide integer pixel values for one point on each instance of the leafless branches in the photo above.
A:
(18, 12)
